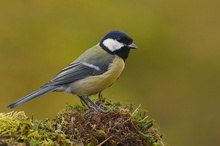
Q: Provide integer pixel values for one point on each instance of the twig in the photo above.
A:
(128, 118)
(104, 141)
(136, 110)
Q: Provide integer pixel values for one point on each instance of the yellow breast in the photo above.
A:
(95, 84)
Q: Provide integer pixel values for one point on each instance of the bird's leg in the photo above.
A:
(86, 102)
(94, 105)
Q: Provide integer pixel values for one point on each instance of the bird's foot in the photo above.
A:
(100, 109)
(95, 110)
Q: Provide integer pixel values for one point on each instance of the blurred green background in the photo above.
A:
(174, 74)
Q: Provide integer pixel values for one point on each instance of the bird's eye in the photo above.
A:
(119, 39)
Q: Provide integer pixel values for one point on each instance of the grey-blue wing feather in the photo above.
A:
(76, 72)
(71, 75)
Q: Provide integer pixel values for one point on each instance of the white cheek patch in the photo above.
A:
(91, 66)
(112, 44)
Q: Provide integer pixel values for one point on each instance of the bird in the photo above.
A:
(93, 71)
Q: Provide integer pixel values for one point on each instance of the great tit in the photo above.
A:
(92, 72)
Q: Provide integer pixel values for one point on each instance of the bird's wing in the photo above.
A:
(82, 68)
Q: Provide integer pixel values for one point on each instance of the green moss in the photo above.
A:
(73, 126)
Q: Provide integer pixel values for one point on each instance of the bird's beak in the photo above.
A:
(133, 46)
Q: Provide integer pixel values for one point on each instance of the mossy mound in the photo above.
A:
(73, 126)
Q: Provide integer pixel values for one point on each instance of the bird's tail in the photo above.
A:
(32, 95)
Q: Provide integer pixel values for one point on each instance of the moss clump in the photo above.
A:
(73, 126)
(17, 129)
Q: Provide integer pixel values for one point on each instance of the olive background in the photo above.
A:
(174, 74)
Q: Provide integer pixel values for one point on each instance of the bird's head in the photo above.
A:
(118, 43)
